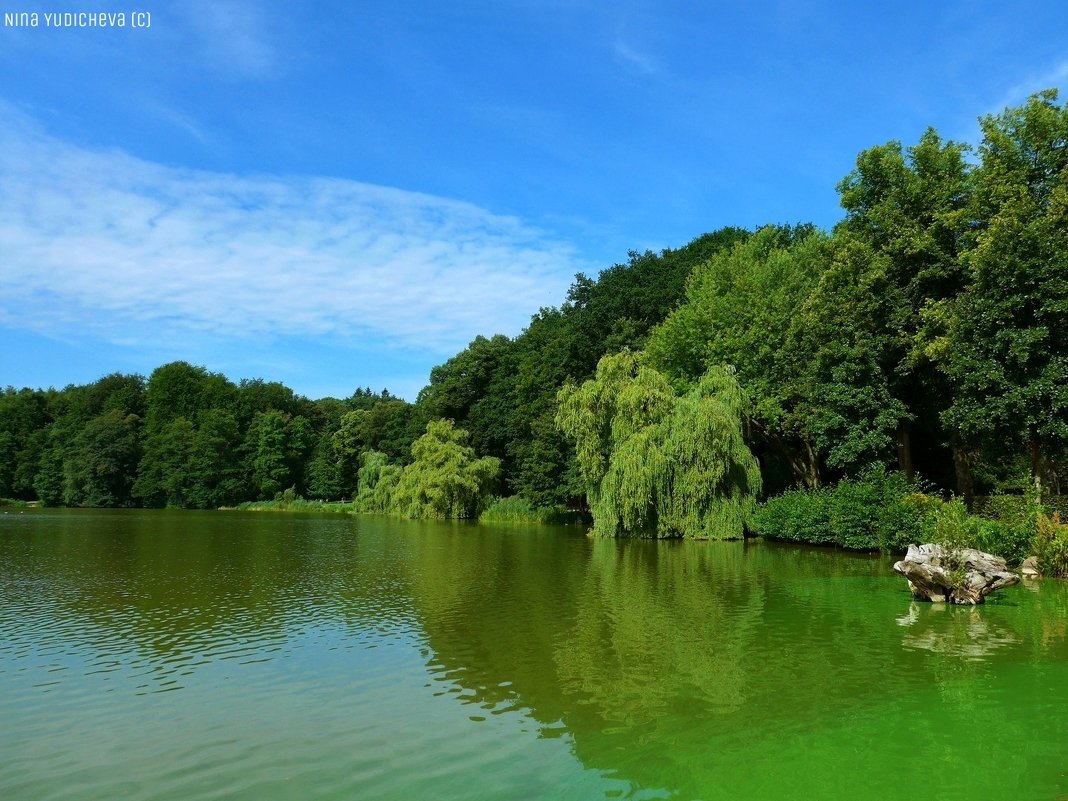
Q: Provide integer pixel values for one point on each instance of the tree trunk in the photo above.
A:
(904, 450)
(804, 465)
(1036, 469)
(812, 466)
(962, 467)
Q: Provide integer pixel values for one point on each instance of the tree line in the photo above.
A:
(926, 332)
(190, 438)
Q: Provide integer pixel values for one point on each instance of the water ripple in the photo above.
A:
(145, 657)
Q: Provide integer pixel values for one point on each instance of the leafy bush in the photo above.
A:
(953, 527)
(1013, 542)
(949, 523)
(1051, 545)
(1009, 526)
(878, 509)
(798, 515)
(905, 519)
(855, 511)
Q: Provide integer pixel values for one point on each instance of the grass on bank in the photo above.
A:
(295, 506)
(519, 510)
(502, 510)
(290, 501)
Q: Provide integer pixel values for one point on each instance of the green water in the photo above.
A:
(159, 655)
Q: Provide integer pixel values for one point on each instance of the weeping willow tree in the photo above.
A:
(445, 479)
(656, 464)
(376, 480)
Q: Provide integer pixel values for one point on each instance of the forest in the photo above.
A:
(926, 335)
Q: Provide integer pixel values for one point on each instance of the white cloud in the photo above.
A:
(635, 58)
(131, 251)
(1015, 95)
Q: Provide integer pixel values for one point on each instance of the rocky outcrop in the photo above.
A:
(959, 576)
(1029, 568)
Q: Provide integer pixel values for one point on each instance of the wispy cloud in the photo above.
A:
(128, 250)
(635, 58)
(232, 37)
(1054, 77)
(176, 118)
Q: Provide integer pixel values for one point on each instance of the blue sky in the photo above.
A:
(343, 194)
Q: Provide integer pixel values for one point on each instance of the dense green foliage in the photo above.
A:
(444, 479)
(1007, 352)
(656, 464)
(884, 510)
(924, 334)
(1050, 545)
(740, 309)
(504, 391)
(183, 437)
(875, 510)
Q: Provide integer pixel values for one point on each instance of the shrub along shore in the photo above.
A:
(880, 510)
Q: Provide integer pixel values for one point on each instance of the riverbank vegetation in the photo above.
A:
(519, 510)
(292, 504)
(923, 335)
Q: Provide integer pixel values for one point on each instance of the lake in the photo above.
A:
(228, 655)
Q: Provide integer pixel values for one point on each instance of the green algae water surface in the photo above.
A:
(183, 655)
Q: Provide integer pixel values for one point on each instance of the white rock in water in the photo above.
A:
(963, 576)
(1029, 568)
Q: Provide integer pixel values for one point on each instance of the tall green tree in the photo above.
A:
(24, 416)
(741, 308)
(101, 463)
(268, 443)
(914, 209)
(657, 464)
(164, 475)
(845, 392)
(191, 439)
(215, 468)
(1007, 352)
(278, 445)
(475, 389)
(601, 315)
(322, 473)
